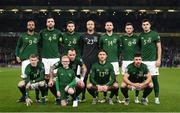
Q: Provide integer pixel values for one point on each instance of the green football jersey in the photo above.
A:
(148, 45)
(129, 46)
(26, 45)
(111, 44)
(102, 74)
(50, 43)
(65, 77)
(35, 73)
(137, 74)
(71, 41)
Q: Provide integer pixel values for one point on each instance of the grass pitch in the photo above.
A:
(169, 80)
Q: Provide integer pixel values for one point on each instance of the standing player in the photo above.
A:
(151, 53)
(65, 81)
(90, 48)
(137, 77)
(129, 48)
(27, 45)
(50, 39)
(102, 78)
(34, 79)
(71, 38)
(111, 43)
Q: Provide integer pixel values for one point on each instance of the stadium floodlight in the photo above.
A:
(72, 10)
(158, 10)
(142, 10)
(100, 10)
(128, 10)
(57, 10)
(14, 10)
(28, 10)
(1, 10)
(171, 10)
(43, 10)
(85, 10)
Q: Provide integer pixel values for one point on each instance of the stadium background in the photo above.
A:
(164, 14)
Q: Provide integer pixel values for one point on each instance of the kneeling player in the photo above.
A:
(79, 68)
(137, 77)
(34, 80)
(102, 78)
(65, 81)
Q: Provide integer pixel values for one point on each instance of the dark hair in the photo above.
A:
(71, 49)
(145, 20)
(31, 20)
(49, 17)
(108, 22)
(70, 22)
(128, 24)
(102, 50)
(34, 56)
(137, 55)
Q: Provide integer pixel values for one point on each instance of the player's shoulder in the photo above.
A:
(154, 32)
(79, 59)
(95, 64)
(131, 65)
(23, 34)
(115, 34)
(43, 30)
(28, 66)
(41, 64)
(57, 30)
(143, 65)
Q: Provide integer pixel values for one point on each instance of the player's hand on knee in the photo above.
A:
(105, 88)
(70, 91)
(66, 88)
(80, 84)
(58, 93)
(99, 88)
(142, 86)
(28, 86)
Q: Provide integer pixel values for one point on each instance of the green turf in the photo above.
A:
(169, 96)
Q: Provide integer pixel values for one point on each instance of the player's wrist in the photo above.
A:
(82, 78)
